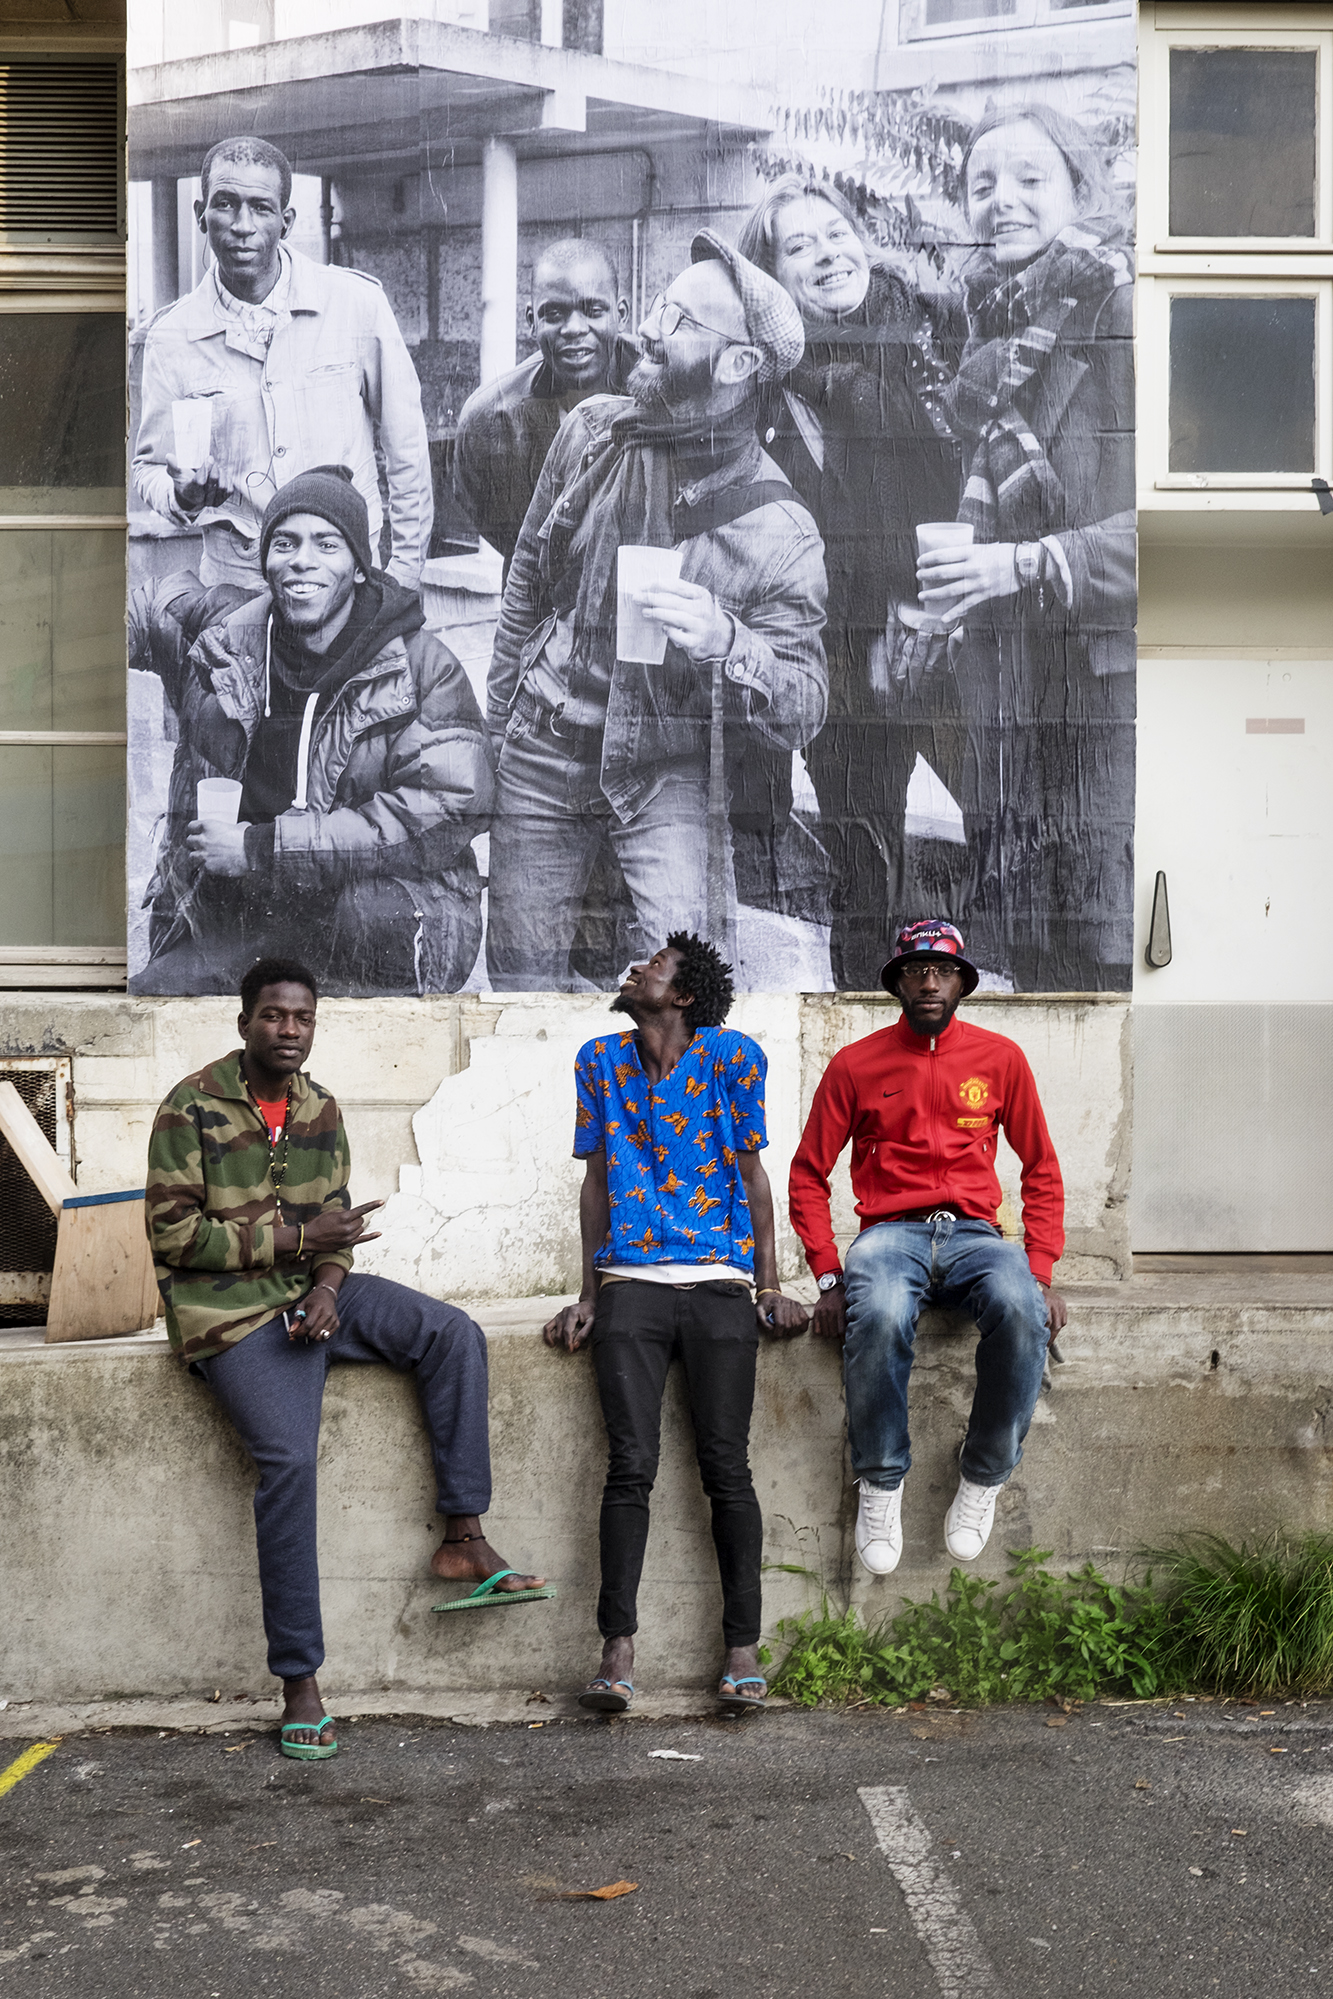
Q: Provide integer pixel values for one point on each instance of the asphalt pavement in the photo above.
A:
(929, 1854)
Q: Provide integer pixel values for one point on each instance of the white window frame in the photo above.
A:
(1226, 266)
(70, 277)
(1154, 441)
(1155, 101)
(1026, 14)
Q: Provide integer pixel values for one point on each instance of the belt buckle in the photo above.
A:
(941, 1215)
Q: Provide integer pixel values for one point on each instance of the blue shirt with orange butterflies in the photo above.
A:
(676, 1192)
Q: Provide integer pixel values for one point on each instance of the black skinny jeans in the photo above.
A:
(638, 1329)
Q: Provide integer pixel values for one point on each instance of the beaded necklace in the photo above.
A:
(278, 1172)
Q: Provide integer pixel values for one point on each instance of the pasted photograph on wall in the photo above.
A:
(598, 470)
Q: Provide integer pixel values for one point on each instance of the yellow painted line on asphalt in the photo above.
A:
(21, 1765)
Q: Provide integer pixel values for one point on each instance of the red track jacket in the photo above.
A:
(923, 1114)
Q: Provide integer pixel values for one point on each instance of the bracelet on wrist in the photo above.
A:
(769, 1291)
(325, 1287)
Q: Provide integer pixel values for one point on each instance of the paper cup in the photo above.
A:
(192, 423)
(638, 638)
(932, 535)
(218, 798)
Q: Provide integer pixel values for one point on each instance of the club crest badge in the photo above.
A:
(974, 1092)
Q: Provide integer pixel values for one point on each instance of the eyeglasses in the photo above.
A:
(915, 974)
(669, 316)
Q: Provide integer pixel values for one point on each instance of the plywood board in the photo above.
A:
(103, 1282)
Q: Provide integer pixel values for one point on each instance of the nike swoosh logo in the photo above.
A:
(893, 1093)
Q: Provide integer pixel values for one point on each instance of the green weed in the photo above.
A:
(1074, 1636)
(1249, 1620)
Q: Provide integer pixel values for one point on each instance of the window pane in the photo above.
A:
(1242, 142)
(62, 846)
(1242, 384)
(62, 630)
(62, 413)
(944, 13)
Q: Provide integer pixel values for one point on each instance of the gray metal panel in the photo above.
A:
(1233, 1127)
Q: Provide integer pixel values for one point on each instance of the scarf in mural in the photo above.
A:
(624, 493)
(1014, 344)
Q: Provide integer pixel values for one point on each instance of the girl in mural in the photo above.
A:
(1039, 607)
(857, 429)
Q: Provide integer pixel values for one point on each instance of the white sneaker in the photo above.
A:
(967, 1524)
(879, 1529)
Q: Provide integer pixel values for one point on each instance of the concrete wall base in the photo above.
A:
(128, 1562)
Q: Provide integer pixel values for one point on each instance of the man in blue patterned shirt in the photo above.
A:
(676, 1216)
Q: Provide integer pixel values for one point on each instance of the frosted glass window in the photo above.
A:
(62, 846)
(1243, 142)
(62, 413)
(950, 13)
(1242, 385)
(62, 629)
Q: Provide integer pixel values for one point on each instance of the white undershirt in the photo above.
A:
(678, 1273)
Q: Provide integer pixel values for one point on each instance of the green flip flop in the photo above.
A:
(486, 1596)
(306, 1752)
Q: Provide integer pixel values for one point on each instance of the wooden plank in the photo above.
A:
(103, 1283)
(34, 1150)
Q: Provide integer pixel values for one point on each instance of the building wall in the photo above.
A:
(460, 1113)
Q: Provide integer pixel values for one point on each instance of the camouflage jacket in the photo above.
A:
(211, 1208)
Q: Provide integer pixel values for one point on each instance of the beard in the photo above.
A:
(665, 386)
(621, 1005)
(924, 1025)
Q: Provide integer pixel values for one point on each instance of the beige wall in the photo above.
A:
(460, 1112)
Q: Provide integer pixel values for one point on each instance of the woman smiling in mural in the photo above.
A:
(1040, 604)
(855, 427)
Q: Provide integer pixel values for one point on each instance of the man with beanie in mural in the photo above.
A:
(359, 769)
(601, 749)
(923, 1103)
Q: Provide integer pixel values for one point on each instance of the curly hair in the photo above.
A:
(705, 975)
(274, 972)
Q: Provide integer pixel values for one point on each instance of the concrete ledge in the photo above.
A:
(128, 1565)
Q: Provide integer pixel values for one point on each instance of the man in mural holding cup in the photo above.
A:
(332, 774)
(270, 365)
(664, 606)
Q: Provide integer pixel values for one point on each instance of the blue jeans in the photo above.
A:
(551, 822)
(272, 1389)
(892, 1269)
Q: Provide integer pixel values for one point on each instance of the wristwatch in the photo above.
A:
(830, 1280)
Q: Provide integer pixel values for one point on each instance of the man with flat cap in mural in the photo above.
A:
(270, 365)
(356, 761)
(599, 749)
(505, 429)
(923, 1103)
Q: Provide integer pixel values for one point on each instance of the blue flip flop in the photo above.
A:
(741, 1703)
(486, 1596)
(601, 1696)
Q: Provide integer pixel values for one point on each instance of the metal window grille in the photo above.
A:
(27, 1226)
(60, 128)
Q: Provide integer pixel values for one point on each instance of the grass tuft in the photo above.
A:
(1249, 1620)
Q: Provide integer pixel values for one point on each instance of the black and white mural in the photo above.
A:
(582, 492)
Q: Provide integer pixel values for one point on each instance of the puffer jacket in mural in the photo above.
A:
(395, 783)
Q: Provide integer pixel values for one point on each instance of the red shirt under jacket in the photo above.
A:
(923, 1114)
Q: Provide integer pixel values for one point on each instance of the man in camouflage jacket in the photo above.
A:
(253, 1235)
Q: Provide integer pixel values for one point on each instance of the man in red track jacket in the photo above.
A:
(923, 1103)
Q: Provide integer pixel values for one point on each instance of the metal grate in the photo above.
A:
(27, 1226)
(60, 146)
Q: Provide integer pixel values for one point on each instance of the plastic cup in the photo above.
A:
(639, 639)
(932, 536)
(192, 423)
(218, 798)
